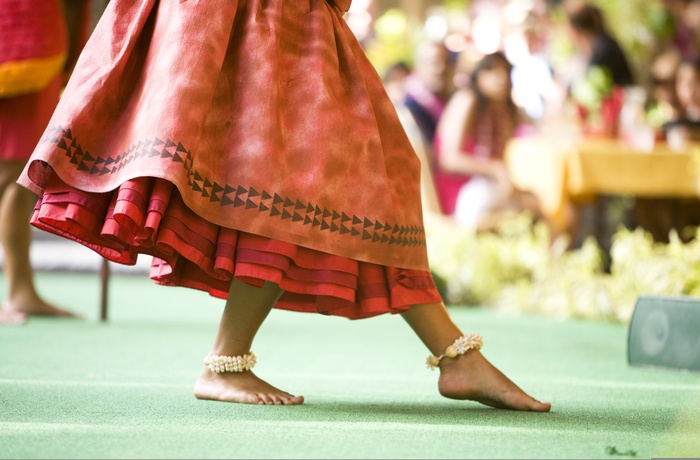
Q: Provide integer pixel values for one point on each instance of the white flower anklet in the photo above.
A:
(220, 363)
(461, 346)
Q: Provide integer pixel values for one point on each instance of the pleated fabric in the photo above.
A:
(248, 139)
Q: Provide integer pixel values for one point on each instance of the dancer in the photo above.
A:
(251, 149)
(33, 53)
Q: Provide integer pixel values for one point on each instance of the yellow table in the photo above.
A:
(561, 171)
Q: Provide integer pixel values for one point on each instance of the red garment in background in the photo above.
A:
(23, 120)
(29, 29)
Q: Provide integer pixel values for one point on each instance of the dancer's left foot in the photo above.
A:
(473, 377)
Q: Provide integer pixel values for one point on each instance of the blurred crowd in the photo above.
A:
(462, 96)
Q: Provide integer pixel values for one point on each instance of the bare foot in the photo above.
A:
(11, 317)
(243, 387)
(472, 377)
(33, 306)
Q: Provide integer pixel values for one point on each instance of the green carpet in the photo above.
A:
(82, 389)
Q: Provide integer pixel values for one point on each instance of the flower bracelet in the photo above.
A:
(220, 363)
(461, 346)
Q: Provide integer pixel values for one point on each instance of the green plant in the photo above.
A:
(590, 91)
(516, 269)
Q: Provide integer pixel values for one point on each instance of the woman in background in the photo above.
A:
(471, 177)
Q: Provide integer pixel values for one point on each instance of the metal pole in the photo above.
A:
(104, 280)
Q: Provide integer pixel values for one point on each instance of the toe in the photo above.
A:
(541, 407)
(292, 400)
(12, 318)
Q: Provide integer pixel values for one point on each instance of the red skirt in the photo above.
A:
(260, 145)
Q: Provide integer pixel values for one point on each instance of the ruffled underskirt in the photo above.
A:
(148, 216)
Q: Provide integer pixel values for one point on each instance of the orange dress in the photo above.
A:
(248, 139)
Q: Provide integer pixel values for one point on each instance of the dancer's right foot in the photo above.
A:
(241, 387)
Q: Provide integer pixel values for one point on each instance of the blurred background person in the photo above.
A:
(592, 39)
(35, 50)
(684, 127)
(680, 90)
(598, 87)
(423, 96)
(394, 80)
(534, 86)
(471, 176)
(663, 98)
(686, 20)
(598, 92)
(428, 87)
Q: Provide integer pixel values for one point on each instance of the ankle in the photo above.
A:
(227, 363)
(459, 363)
(461, 346)
(230, 347)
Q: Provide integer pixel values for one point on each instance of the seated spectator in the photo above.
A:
(471, 177)
(659, 216)
(663, 98)
(394, 80)
(534, 86)
(598, 92)
(420, 98)
(592, 39)
(685, 127)
(428, 87)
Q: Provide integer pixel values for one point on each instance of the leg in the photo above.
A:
(245, 310)
(7, 315)
(469, 376)
(15, 211)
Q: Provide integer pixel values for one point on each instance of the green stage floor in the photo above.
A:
(83, 389)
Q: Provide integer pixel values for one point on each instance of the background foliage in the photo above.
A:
(518, 269)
